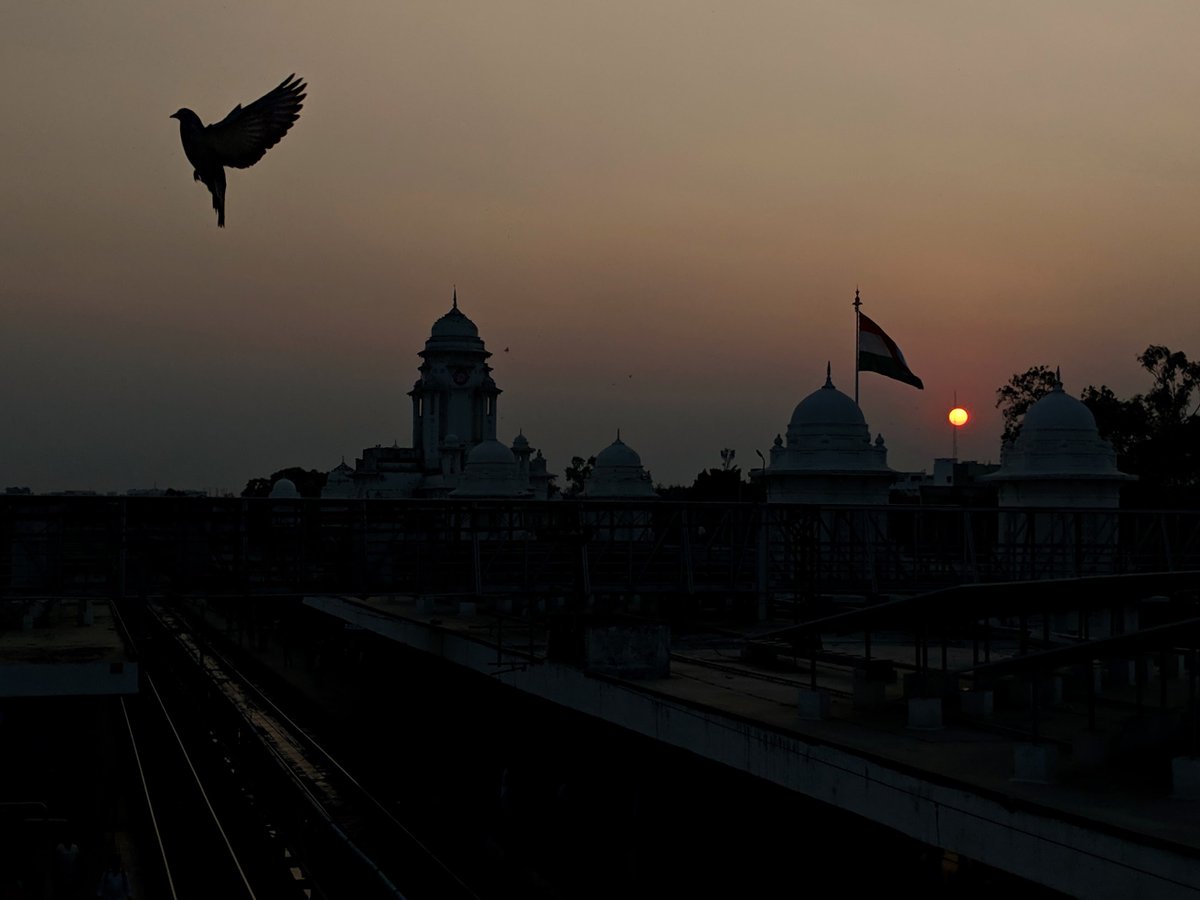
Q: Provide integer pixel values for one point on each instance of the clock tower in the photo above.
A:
(455, 397)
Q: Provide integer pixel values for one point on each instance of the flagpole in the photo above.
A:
(857, 341)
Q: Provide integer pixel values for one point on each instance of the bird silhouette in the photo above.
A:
(240, 139)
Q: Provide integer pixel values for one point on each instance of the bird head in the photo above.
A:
(185, 115)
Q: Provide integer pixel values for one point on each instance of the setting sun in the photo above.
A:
(958, 417)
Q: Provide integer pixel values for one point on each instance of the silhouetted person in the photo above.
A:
(240, 139)
(66, 869)
(114, 882)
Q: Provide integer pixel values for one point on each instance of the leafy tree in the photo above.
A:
(1021, 392)
(577, 475)
(308, 482)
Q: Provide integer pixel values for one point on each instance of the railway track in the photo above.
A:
(328, 834)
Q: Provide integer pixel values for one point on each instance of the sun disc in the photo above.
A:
(958, 417)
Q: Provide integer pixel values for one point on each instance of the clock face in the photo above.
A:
(461, 376)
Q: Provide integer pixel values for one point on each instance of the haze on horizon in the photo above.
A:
(686, 195)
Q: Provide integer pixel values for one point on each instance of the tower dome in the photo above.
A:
(454, 331)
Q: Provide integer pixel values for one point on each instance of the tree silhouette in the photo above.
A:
(1021, 392)
(308, 482)
(577, 475)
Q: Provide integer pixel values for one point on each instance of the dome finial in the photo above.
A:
(828, 374)
(618, 435)
(455, 300)
(1058, 378)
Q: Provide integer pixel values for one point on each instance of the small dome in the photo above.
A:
(490, 451)
(618, 453)
(826, 407)
(1059, 410)
(341, 472)
(284, 489)
(521, 441)
(454, 324)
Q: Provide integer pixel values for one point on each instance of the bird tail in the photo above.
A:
(217, 188)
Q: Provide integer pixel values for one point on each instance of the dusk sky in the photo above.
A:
(661, 208)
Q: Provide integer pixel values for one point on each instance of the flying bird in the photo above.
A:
(240, 139)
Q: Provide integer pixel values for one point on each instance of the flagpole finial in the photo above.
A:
(828, 374)
(857, 299)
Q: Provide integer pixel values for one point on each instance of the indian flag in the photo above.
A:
(878, 353)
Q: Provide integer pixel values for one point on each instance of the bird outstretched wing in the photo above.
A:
(242, 137)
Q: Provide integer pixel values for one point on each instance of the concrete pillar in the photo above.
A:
(925, 713)
(1185, 778)
(812, 704)
(1035, 763)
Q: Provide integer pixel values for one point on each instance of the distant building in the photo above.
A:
(617, 474)
(454, 448)
(1058, 491)
(829, 458)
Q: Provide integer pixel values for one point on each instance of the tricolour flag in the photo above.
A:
(878, 353)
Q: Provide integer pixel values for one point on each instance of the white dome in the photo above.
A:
(1059, 440)
(827, 408)
(1059, 410)
(489, 452)
(618, 453)
(284, 489)
(618, 475)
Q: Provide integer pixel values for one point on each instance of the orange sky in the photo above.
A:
(683, 193)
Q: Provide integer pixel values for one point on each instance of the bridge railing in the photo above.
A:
(62, 546)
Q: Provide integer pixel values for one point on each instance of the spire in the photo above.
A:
(828, 374)
(455, 301)
(1058, 378)
(618, 435)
